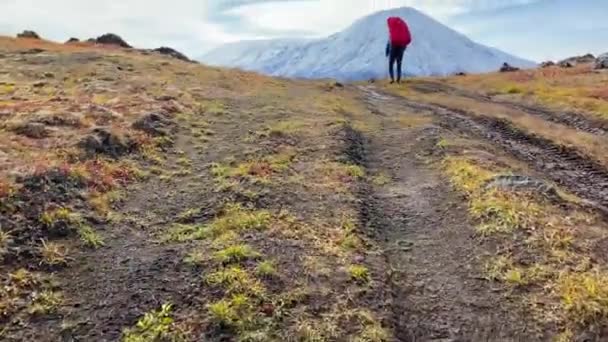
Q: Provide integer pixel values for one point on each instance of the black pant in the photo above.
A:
(396, 55)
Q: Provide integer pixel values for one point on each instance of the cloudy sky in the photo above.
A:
(535, 29)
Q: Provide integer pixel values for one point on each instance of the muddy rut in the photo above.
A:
(426, 238)
(563, 165)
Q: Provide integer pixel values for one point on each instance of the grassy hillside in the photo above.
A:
(144, 198)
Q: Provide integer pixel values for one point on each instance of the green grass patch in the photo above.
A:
(45, 302)
(502, 212)
(231, 312)
(255, 170)
(153, 326)
(185, 232)
(497, 211)
(236, 280)
(90, 237)
(359, 273)
(235, 254)
(187, 216)
(234, 218)
(266, 269)
(195, 258)
(465, 175)
(381, 179)
(352, 242)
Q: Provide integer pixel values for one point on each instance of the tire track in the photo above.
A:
(563, 165)
(431, 291)
(570, 119)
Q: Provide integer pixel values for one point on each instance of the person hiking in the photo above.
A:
(399, 39)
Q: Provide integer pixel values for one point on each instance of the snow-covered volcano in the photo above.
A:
(357, 53)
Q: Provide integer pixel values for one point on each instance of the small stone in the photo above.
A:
(506, 67)
(166, 98)
(102, 141)
(28, 34)
(32, 130)
(573, 61)
(547, 64)
(601, 62)
(112, 39)
(153, 124)
(172, 53)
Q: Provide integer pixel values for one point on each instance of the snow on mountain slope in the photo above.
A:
(357, 53)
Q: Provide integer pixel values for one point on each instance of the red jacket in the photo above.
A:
(399, 32)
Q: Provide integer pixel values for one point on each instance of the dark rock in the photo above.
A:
(371, 80)
(63, 119)
(72, 40)
(461, 73)
(547, 64)
(49, 75)
(112, 39)
(34, 130)
(154, 124)
(589, 57)
(28, 34)
(572, 61)
(102, 141)
(172, 53)
(506, 67)
(31, 51)
(523, 183)
(565, 64)
(39, 84)
(338, 85)
(601, 62)
(91, 40)
(166, 98)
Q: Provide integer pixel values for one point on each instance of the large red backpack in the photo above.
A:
(399, 32)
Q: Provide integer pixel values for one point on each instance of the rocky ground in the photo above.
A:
(147, 198)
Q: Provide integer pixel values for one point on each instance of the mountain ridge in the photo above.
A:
(357, 53)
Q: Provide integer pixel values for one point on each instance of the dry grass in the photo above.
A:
(44, 303)
(577, 88)
(585, 296)
(527, 226)
(54, 254)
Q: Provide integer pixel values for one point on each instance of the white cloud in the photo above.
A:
(144, 23)
(195, 26)
(325, 17)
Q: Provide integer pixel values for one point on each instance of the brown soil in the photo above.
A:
(367, 238)
(423, 227)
